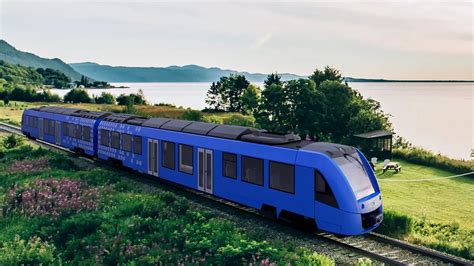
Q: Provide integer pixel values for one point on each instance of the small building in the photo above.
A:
(376, 143)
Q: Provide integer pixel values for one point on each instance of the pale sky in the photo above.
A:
(372, 39)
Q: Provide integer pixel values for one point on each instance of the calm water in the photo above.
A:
(436, 116)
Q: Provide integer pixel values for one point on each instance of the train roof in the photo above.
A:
(247, 134)
(72, 112)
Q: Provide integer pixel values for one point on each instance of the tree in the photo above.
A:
(250, 99)
(123, 99)
(214, 97)
(105, 98)
(273, 109)
(273, 78)
(77, 96)
(328, 73)
(226, 94)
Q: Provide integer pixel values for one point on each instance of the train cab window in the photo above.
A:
(167, 155)
(137, 145)
(126, 142)
(186, 161)
(323, 192)
(78, 132)
(104, 137)
(86, 133)
(282, 177)
(229, 165)
(115, 143)
(252, 170)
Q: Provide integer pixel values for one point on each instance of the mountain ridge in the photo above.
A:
(10, 54)
(174, 73)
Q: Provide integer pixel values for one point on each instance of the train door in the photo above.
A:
(205, 170)
(40, 128)
(153, 157)
(57, 132)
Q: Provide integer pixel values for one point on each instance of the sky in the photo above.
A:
(370, 39)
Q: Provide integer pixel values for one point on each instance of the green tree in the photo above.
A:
(250, 99)
(273, 109)
(226, 94)
(214, 97)
(105, 98)
(328, 73)
(138, 98)
(77, 96)
(273, 78)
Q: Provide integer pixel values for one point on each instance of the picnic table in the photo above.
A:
(392, 166)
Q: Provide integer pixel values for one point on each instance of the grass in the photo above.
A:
(444, 200)
(437, 213)
(60, 210)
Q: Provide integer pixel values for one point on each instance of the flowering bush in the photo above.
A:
(29, 165)
(31, 252)
(51, 197)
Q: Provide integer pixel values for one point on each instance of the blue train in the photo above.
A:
(331, 186)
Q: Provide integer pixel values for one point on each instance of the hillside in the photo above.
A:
(11, 55)
(188, 73)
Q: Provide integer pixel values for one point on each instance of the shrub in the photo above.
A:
(424, 157)
(212, 119)
(29, 165)
(395, 224)
(12, 141)
(31, 252)
(51, 197)
(192, 115)
(240, 120)
(105, 98)
(77, 96)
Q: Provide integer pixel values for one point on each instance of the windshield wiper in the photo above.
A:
(355, 158)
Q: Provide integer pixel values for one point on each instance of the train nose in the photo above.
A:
(372, 218)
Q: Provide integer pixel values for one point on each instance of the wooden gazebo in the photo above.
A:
(375, 144)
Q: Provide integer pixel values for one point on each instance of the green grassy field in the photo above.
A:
(443, 200)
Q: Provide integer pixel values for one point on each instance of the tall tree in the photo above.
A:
(250, 98)
(328, 73)
(214, 97)
(273, 78)
(273, 109)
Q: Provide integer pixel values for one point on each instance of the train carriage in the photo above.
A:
(330, 185)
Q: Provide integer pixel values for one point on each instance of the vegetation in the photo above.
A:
(449, 238)
(134, 98)
(435, 213)
(77, 96)
(423, 157)
(54, 78)
(105, 98)
(92, 215)
(321, 107)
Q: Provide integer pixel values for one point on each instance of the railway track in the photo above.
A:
(378, 247)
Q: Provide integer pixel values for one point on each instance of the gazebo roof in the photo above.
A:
(374, 134)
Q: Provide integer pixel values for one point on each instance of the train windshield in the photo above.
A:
(352, 167)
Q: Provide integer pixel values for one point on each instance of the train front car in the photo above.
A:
(347, 196)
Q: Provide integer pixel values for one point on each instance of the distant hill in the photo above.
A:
(11, 55)
(188, 73)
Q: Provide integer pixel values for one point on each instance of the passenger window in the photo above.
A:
(168, 155)
(229, 165)
(78, 132)
(186, 161)
(115, 140)
(323, 192)
(126, 142)
(86, 133)
(252, 170)
(104, 137)
(46, 126)
(64, 125)
(70, 130)
(137, 145)
(282, 177)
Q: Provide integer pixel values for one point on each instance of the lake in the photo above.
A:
(435, 116)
